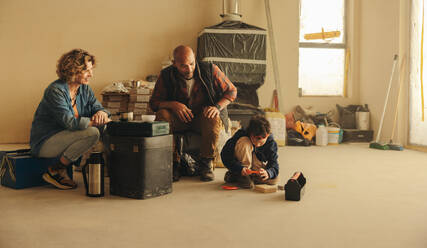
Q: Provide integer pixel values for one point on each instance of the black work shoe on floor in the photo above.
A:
(57, 180)
(176, 174)
(206, 170)
(207, 176)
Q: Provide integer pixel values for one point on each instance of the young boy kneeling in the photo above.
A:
(251, 149)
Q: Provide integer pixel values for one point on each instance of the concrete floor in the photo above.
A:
(354, 197)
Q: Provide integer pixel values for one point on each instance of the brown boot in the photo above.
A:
(206, 170)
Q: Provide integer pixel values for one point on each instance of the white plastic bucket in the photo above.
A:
(321, 136)
(362, 120)
(333, 135)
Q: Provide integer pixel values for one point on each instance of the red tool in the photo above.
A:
(253, 172)
(229, 187)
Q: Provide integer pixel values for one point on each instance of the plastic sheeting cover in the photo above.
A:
(239, 50)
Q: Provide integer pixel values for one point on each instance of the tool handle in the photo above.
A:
(401, 75)
(253, 172)
(386, 99)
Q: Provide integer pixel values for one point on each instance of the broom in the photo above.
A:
(397, 147)
(376, 144)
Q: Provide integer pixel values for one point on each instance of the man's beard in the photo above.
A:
(187, 76)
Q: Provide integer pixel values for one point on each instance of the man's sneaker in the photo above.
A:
(206, 170)
(59, 179)
(245, 182)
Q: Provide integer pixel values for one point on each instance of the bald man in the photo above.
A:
(194, 96)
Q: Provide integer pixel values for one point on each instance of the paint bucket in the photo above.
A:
(321, 136)
(333, 135)
(362, 120)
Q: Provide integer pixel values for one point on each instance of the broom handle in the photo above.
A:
(386, 98)
(273, 53)
(401, 74)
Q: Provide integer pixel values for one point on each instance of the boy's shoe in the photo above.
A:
(59, 179)
(245, 182)
(258, 180)
(230, 177)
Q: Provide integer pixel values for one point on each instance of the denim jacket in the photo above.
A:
(55, 112)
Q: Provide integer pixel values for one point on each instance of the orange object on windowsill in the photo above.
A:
(322, 35)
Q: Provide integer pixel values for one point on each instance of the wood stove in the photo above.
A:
(239, 50)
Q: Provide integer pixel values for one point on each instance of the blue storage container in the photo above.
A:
(19, 170)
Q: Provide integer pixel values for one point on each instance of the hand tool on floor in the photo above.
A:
(226, 187)
(377, 144)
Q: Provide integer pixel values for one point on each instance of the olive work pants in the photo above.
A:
(208, 128)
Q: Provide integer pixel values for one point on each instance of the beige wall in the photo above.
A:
(404, 50)
(130, 39)
(379, 41)
(285, 16)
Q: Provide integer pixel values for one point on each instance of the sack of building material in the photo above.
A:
(222, 139)
(296, 139)
(347, 116)
(307, 130)
(290, 120)
(362, 118)
(278, 126)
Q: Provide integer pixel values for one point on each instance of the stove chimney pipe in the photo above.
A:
(230, 10)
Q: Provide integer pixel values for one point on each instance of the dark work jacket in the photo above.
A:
(266, 154)
(203, 73)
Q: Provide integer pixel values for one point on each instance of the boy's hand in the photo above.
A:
(245, 171)
(263, 174)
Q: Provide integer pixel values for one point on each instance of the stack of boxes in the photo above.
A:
(138, 100)
(115, 103)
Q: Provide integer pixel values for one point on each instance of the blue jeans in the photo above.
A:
(70, 144)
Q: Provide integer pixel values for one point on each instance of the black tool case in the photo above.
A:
(140, 167)
(355, 135)
(137, 128)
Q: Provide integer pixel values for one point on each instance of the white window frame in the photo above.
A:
(342, 45)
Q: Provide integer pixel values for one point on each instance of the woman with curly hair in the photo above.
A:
(66, 120)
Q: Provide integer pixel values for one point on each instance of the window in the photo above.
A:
(418, 74)
(322, 48)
